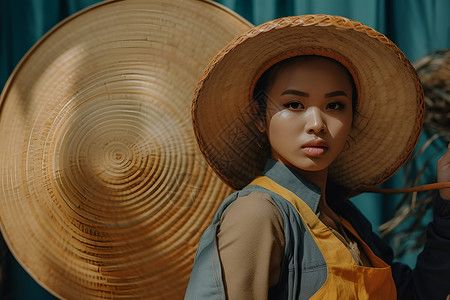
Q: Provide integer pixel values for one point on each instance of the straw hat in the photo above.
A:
(104, 193)
(390, 98)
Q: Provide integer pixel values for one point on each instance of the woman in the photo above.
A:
(327, 106)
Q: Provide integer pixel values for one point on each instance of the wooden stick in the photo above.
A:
(420, 188)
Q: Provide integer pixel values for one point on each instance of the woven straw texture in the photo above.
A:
(390, 98)
(104, 193)
(434, 72)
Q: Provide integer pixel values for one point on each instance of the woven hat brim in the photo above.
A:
(104, 191)
(389, 111)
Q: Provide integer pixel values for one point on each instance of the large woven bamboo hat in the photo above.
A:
(389, 110)
(104, 193)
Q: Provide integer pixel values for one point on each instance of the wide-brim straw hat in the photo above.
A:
(389, 110)
(104, 192)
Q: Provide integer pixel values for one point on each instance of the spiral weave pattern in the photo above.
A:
(104, 193)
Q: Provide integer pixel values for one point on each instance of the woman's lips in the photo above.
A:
(314, 151)
(315, 147)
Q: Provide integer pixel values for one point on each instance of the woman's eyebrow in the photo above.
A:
(303, 94)
(295, 92)
(335, 94)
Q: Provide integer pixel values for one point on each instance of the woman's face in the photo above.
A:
(309, 113)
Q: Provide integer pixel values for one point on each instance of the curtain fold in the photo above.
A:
(418, 27)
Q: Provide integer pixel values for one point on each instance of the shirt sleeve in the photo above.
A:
(251, 246)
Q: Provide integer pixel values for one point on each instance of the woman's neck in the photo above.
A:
(327, 215)
(319, 178)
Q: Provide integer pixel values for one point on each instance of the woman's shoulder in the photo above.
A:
(256, 208)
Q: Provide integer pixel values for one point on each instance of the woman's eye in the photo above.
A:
(294, 105)
(335, 106)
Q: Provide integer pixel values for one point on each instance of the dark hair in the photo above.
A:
(267, 79)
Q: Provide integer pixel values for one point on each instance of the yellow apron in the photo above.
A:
(346, 279)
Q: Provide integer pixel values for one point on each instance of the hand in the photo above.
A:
(443, 173)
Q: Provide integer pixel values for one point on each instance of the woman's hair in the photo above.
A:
(267, 79)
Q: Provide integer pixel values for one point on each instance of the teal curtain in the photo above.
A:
(418, 27)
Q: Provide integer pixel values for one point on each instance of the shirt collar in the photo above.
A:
(291, 180)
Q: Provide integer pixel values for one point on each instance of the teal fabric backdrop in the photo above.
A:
(418, 27)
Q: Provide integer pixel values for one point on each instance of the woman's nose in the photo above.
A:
(314, 122)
